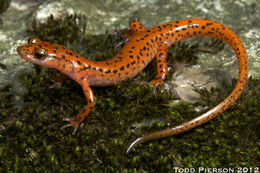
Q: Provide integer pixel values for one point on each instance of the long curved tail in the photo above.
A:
(201, 27)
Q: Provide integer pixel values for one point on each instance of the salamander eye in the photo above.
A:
(33, 40)
(40, 53)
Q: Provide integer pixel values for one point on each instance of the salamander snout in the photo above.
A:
(21, 51)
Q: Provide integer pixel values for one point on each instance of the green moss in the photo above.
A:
(70, 29)
(31, 140)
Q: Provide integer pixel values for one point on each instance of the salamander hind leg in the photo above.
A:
(162, 68)
(127, 34)
(135, 27)
(76, 121)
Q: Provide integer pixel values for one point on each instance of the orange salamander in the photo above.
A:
(141, 47)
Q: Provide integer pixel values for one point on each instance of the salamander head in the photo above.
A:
(39, 52)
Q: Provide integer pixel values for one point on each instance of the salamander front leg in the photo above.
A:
(162, 68)
(76, 121)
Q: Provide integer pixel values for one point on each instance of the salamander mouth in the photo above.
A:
(20, 51)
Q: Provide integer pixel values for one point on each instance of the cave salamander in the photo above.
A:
(141, 47)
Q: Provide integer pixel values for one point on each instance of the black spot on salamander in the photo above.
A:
(55, 57)
(141, 53)
(128, 65)
(130, 51)
(146, 35)
(161, 55)
(143, 62)
(115, 71)
(155, 38)
(55, 51)
(83, 69)
(133, 62)
(64, 66)
(108, 71)
(209, 24)
(144, 48)
(133, 47)
(176, 26)
(183, 29)
(147, 44)
(63, 56)
(176, 30)
(122, 68)
(131, 56)
(71, 53)
(167, 34)
(79, 63)
(69, 62)
(63, 47)
(100, 69)
(203, 27)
